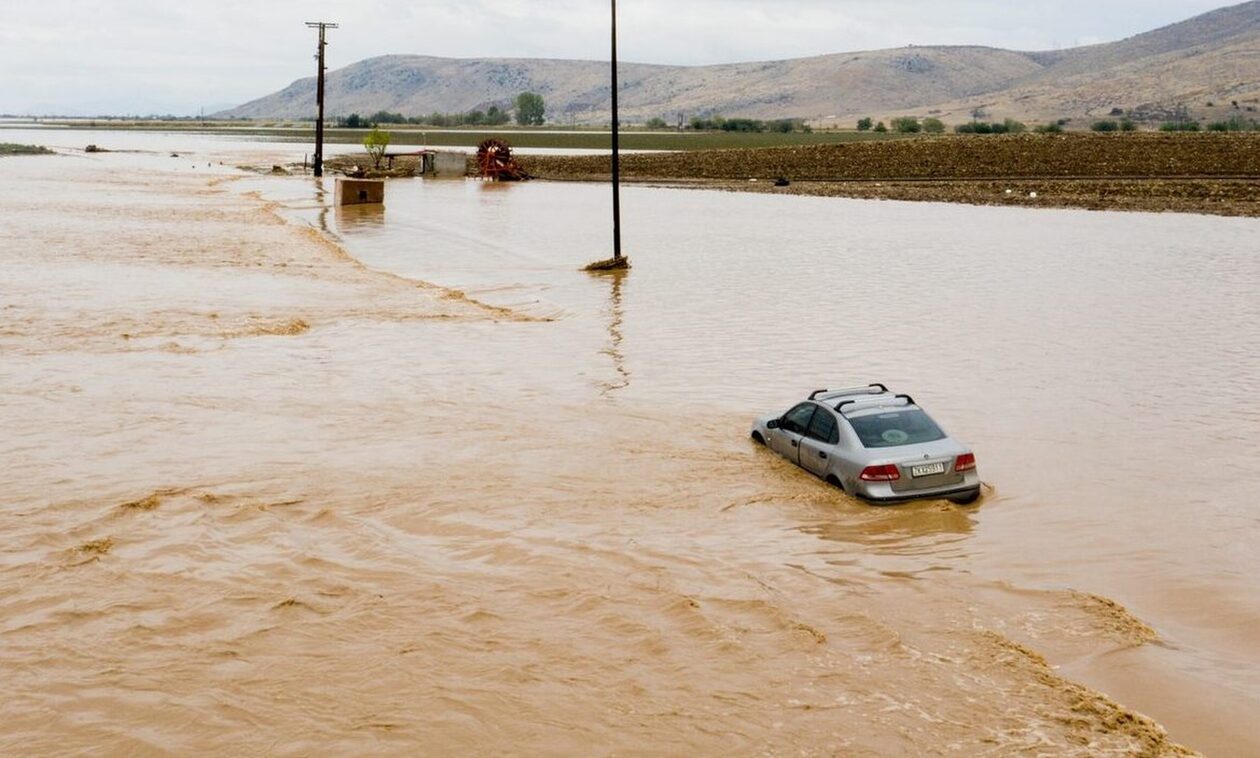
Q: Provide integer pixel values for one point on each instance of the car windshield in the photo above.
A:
(895, 429)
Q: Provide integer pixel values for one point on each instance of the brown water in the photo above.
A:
(284, 478)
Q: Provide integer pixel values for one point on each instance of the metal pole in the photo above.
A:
(319, 94)
(616, 144)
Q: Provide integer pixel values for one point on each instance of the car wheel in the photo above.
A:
(967, 499)
(758, 438)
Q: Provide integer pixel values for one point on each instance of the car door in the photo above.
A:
(786, 440)
(818, 443)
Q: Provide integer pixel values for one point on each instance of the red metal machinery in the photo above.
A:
(494, 158)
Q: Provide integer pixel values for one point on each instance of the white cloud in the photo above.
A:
(138, 56)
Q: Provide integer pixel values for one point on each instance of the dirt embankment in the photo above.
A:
(1203, 173)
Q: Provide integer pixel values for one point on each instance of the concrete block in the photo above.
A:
(360, 191)
(452, 165)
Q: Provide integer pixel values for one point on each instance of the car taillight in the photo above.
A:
(887, 473)
(965, 462)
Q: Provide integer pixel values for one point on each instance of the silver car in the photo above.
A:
(873, 444)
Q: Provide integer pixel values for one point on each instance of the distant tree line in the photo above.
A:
(1110, 125)
(1008, 126)
(1183, 123)
(1235, 123)
(903, 125)
(719, 124)
(492, 116)
(531, 110)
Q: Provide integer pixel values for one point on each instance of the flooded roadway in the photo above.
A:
(426, 485)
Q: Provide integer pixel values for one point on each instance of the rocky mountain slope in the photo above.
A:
(1211, 58)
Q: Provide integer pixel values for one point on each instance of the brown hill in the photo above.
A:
(1211, 58)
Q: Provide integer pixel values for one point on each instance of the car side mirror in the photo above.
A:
(772, 424)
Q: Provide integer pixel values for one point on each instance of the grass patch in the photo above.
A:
(8, 148)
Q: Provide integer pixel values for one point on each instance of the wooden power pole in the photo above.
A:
(618, 262)
(319, 94)
(616, 145)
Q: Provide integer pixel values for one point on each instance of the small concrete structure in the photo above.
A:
(360, 191)
(432, 162)
(450, 164)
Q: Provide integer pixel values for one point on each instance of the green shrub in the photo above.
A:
(1234, 123)
(385, 117)
(907, 125)
(864, 125)
(656, 123)
(743, 125)
(1127, 126)
(1105, 126)
(1179, 126)
(880, 128)
(376, 143)
(1051, 128)
(933, 126)
(1009, 126)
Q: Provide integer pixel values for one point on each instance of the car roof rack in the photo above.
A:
(840, 408)
(867, 390)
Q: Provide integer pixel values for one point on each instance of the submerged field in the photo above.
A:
(283, 477)
(550, 138)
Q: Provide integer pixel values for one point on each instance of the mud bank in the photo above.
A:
(262, 497)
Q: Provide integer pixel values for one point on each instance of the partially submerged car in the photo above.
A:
(873, 444)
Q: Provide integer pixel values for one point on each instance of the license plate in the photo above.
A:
(931, 469)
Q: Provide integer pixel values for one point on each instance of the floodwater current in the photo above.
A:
(284, 477)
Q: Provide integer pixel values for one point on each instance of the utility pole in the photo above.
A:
(618, 262)
(319, 94)
(616, 145)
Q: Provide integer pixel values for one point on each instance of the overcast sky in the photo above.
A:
(144, 56)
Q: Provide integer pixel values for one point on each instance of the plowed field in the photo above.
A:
(1203, 173)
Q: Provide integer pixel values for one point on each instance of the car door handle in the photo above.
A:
(822, 455)
(795, 443)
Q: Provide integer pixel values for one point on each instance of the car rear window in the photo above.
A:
(896, 429)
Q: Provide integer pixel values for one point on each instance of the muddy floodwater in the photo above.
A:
(282, 478)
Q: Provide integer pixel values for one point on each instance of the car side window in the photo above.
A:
(823, 428)
(797, 419)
